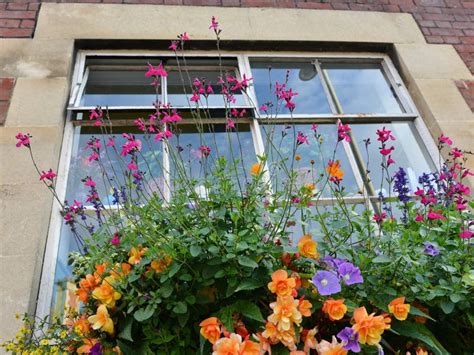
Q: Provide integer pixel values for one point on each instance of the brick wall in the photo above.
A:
(441, 21)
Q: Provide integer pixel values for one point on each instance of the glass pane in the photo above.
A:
(180, 89)
(113, 163)
(236, 147)
(362, 88)
(302, 78)
(118, 88)
(279, 144)
(409, 152)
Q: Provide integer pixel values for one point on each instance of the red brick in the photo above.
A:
(426, 23)
(401, 2)
(33, 6)
(443, 24)
(27, 24)
(18, 14)
(465, 48)
(467, 40)
(314, 5)
(453, 3)
(438, 17)
(3, 111)
(463, 25)
(445, 32)
(434, 39)
(9, 23)
(468, 4)
(174, 2)
(430, 3)
(14, 6)
(202, 2)
(112, 1)
(6, 88)
(258, 3)
(451, 39)
(338, 6)
(234, 3)
(15, 32)
(154, 2)
(391, 8)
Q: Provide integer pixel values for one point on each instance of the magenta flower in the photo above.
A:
(132, 166)
(445, 140)
(314, 127)
(379, 217)
(390, 161)
(163, 135)
(49, 175)
(93, 157)
(387, 151)
(263, 107)
(214, 24)
(89, 182)
(115, 239)
(195, 97)
(465, 233)
(384, 135)
(140, 124)
(184, 37)
(173, 46)
(326, 282)
(343, 132)
(23, 140)
(205, 150)
(350, 339)
(434, 215)
(418, 217)
(110, 143)
(349, 273)
(301, 138)
(159, 71)
(456, 153)
(230, 124)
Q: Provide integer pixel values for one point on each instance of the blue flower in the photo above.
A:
(430, 249)
(350, 339)
(326, 282)
(349, 273)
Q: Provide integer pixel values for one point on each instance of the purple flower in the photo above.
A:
(430, 249)
(326, 282)
(333, 262)
(349, 273)
(96, 349)
(350, 339)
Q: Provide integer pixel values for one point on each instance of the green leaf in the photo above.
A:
(180, 308)
(249, 284)
(195, 250)
(246, 261)
(143, 314)
(173, 269)
(183, 319)
(249, 310)
(420, 332)
(166, 289)
(213, 249)
(381, 259)
(446, 306)
(186, 277)
(225, 316)
(455, 297)
(191, 299)
(219, 274)
(126, 332)
(417, 312)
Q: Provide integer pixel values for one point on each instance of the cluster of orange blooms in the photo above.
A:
(103, 290)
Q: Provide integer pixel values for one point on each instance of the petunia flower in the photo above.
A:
(326, 282)
(350, 339)
(349, 273)
(465, 233)
(430, 249)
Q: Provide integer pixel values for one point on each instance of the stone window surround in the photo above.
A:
(43, 68)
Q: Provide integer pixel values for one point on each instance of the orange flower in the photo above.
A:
(211, 329)
(285, 313)
(334, 169)
(99, 271)
(102, 320)
(81, 326)
(226, 346)
(85, 286)
(105, 293)
(335, 309)
(310, 189)
(421, 351)
(333, 348)
(307, 247)
(297, 352)
(297, 157)
(369, 327)
(309, 338)
(249, 347)
(265, 346)
(305, 307)
(271, 332)
(281, 284)
(121, 270)
(256, 168)
(135, 254)
(398, 308)
(86, 347)
(161, 265)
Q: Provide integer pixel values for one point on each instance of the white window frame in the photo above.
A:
(79, 81)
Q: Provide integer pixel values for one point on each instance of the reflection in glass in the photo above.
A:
(118, 88)
(280, 139)
(362, 88)
(113, 164)
(236, 147)
(302, 78)
(408, 153)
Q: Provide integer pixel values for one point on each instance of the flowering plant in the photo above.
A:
(219, 267)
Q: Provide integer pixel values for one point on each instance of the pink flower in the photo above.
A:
(314, 127)
(140, 124)
(93, 156)
(241, 84)
(301, 138)
(23, 140)
(173, 46)
(195, 97)
(230, 124)
(209, 89)
(184, 37)
(343, 132)
(456, 153)
(132, 166)
(384, 135)
(163, 135)
(205, 150)
(379, 217)
(465, 233)
(131, 145)
(435, 215)
(390, 161)
(418, 217)
(156, 72)
(89, 182)
(111, 142)
(96, 114)
(445, 140)
(387, 151)
(49, 175)
(263, 107)
(214, 24)
(115, 239)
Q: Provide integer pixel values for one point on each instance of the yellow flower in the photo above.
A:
(308, 247)
(335, 309)
(305, 308)
(161, 265)
(333, 348)
(256, 168)
(281, 284)
(44, 342)
(285, 313)
(105, 293)
(102, 320)
(211, 329)
(135, 255)
(63, 334)
(369, 327)
(398, 308)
